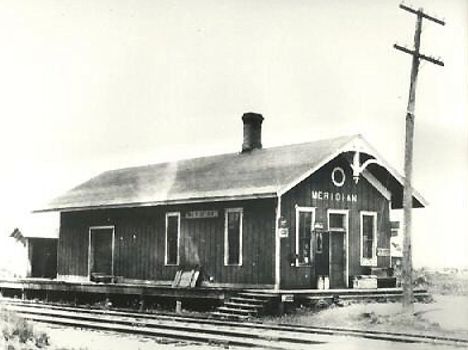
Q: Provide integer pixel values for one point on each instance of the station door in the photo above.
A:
(101, 251)
(330, 258)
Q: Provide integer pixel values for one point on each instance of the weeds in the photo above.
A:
(17, 333)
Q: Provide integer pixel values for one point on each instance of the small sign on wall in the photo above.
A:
(283, 229)
(383, 252)
(201, 214)
(283, 232)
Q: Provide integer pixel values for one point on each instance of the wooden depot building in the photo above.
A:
(301, 216)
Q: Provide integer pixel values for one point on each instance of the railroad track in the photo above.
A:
(207, 330)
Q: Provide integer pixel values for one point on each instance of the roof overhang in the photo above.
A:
(382, 171)
(160, 203)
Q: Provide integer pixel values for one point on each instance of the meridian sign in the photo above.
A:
(335, 196)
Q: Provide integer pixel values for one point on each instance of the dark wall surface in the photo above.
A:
(139, 248)
(368, 199)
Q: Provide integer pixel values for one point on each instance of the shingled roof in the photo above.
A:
(260, 173)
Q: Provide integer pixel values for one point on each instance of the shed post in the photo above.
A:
(277, 245)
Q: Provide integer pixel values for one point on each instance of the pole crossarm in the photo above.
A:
(420, 12)
(419, 55)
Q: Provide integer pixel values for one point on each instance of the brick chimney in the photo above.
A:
(252, 131)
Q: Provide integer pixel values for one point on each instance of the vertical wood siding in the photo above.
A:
(140, 242)
(369, 199)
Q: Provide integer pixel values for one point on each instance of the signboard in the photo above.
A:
(383, 252)
(335, 196)
(283, 229)
(283, 232)
(201, 214)
(287, 298)
(394, 225)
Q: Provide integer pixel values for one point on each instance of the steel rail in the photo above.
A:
(187, 319)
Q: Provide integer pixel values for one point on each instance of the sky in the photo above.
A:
(88, 86)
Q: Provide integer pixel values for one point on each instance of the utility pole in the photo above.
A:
(407, 280)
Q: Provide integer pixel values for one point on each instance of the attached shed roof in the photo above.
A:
(259, 173)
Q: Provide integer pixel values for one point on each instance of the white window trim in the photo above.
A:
(373, 260)
(345, 212)
(226, 245)
(312, 223)
(91, 228)
(177, 214)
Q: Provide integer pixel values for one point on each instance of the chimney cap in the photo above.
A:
(252, 131)
(251, 116)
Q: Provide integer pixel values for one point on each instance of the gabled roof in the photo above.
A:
(260, 173)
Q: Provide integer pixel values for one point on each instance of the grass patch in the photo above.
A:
(19, 334)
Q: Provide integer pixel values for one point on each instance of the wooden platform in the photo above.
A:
(214, 293)
(291, 295)
(140, 289)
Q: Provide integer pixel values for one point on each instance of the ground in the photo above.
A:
(446, 315)
(80, 339)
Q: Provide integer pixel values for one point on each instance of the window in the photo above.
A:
(337, 222)
(304, 227)
(172, 238)
(233, 236)
(368, 238)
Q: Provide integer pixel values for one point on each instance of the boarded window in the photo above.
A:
(172, 238)
(233, 237)
(368, 238)
(304, 230)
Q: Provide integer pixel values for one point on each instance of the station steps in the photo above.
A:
(244, 305)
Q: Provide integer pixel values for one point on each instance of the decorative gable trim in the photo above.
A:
(377, 185)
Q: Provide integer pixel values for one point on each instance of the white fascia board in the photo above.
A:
(384, 191)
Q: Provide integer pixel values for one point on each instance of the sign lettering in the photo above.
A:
(201, 214)
(335, 196)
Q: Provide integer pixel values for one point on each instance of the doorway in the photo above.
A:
(101, 252)
(337, 260)
(337, 248)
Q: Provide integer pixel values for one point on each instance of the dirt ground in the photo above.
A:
(447, 315)
(83, 339)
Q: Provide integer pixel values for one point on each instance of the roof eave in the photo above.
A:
(159, 203)
(356, 143)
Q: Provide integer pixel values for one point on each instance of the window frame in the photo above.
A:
(227, 211)
(312, 223)
(344, 213)
(368, 261)
(166, 263)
